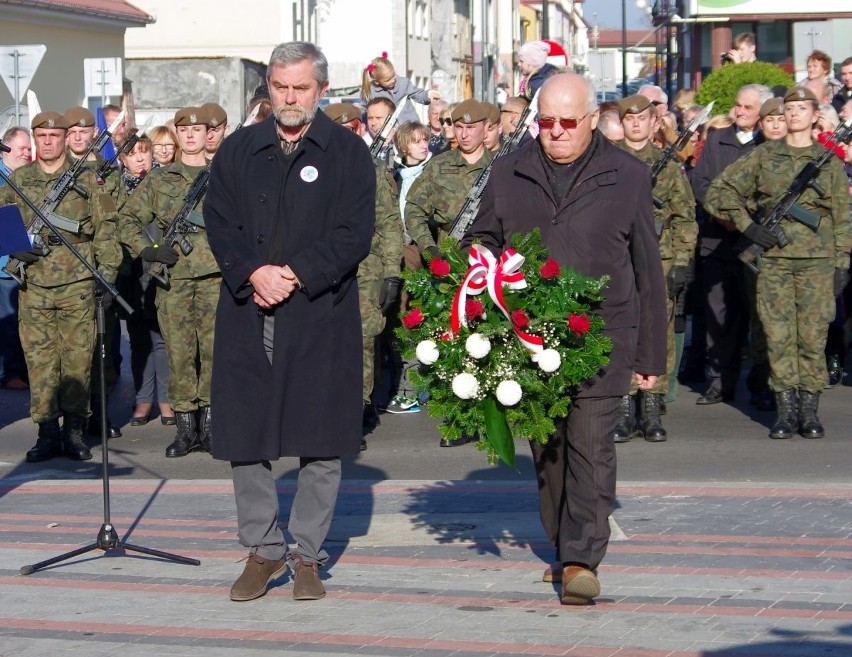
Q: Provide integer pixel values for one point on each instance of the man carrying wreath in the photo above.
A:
(593, 205)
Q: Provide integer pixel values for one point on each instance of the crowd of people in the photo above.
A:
(279, 300)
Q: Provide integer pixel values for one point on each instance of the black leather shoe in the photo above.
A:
(72, 438)
(168, 420)
(185, 437)
(464, 440)
(49, 443)
(363, 446)
(712, 396)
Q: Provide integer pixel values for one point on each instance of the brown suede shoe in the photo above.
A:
(553, 573)
(306, 580)
(579, 586)
(256, 576)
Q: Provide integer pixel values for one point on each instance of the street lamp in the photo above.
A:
(640, 4)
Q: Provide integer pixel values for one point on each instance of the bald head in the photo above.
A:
(564, 98)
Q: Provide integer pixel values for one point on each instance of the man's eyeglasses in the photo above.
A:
(565, 124)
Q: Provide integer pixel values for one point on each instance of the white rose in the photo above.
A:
(509, 393)
(427, 352)
(465, 385)
(477, 345)
(548, 360)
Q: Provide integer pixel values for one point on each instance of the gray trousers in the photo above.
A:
(313, 504)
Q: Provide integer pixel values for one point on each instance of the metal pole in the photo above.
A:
(624, 48)
(16, 75)
(545, 19)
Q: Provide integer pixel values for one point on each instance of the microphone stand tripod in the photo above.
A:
(107, 538)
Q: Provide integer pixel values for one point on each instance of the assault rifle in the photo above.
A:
(108, 166)
(470, 207)
(182, 224)
(788, 206)
(677, 146)
(380, 142)
(67, 181)
(249, 118)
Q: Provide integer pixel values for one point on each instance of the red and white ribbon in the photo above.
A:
(487, 272)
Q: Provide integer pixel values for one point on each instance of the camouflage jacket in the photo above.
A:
(385, 256)
(160, 197)
(675, 220)
(438, 194)
(98, 225)
(757, 181)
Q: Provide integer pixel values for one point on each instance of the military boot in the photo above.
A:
(72, 437)
(626, 428)
(48, 444)
(786, 423)
(649, 418)
(94, 426)
(205, 428)
(185, 435)
(809, 424)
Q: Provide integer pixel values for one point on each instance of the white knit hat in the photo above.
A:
(534, 53)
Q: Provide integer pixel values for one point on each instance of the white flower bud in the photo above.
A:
(465, 385)
(427, 352)
(548, 360)
(509, 393)
(477, 345)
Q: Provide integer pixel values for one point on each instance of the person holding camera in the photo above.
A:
(744, 49)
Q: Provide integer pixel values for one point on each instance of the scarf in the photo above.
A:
(563, 177)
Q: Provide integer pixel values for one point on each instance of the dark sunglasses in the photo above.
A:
(565, 124)
(447, 121)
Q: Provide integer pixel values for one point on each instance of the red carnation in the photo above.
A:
(580, 324)
(439, 268)
(445, 336)
(413, 319)
(473, 309)
(519, 318)
(550, 269)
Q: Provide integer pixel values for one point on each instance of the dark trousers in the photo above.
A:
(576, 481)
(12, 363)
(726, 316)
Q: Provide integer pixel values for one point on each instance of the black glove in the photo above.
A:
(391, 288)
(432, 252)
(28, 257)
(677, 279)
(841, 280)
(761, 235)
(159, 254)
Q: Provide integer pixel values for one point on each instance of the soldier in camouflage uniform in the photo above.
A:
(796, 285)
(82, 130)
(57, 322)
(437, 196)
(187, 305)
(439, 192)
(674, 216)
(218, 128)
(379, 282)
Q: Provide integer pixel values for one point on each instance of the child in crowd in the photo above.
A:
(380, 79)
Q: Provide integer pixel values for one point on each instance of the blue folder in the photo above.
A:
(13, 233)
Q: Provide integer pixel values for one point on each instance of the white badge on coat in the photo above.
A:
(309, 174)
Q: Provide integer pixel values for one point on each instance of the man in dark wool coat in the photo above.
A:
(289, 215)
(593, 205)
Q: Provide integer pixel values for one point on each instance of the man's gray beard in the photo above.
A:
(285, 118)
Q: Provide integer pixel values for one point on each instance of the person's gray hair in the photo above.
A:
(294, 52)
(653, 87)
(763, 92)
(830, 116)
(12, 132)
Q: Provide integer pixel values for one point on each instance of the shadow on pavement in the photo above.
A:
(793, 643)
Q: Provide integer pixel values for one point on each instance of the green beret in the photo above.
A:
(49, 120)
(342, 112)
(469, 111)
(492, 112)
(634, 104)
(773, 106)
(191, 116)
(800, 93)
(216, 114)
(79, 117)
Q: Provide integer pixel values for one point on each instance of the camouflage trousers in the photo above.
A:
(372, 323)
(57, 327)
(795, 301)
(186, 313)
(661, 387)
